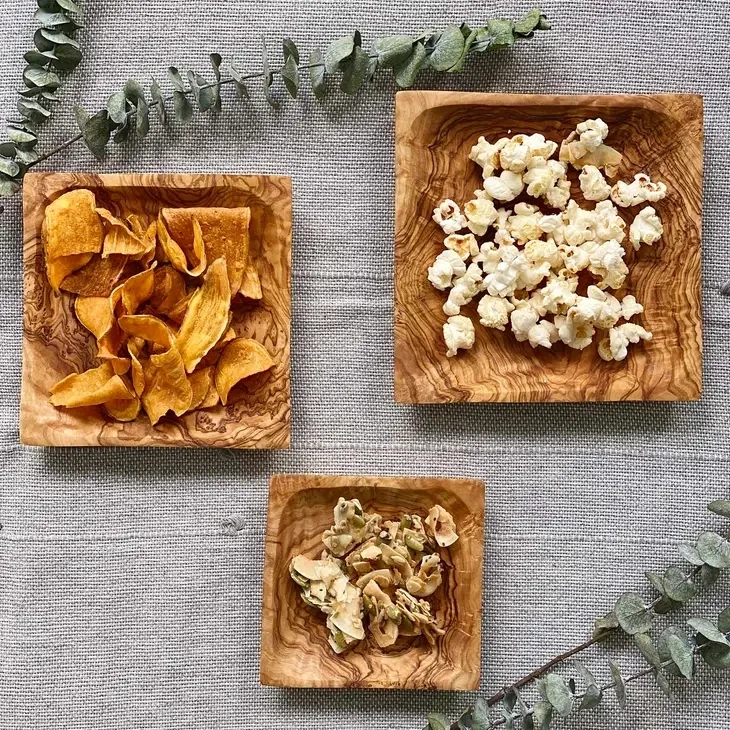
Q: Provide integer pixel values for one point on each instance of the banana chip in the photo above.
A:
(241, 358)
(176, 255)
(97, 278)
(207, 317)
(91, 388)
(224, 231)
(251, 285)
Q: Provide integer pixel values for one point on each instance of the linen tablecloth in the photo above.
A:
(127, 599)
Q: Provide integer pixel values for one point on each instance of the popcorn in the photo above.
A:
(464, 290)
(486, 155)
(480, 214)
(463, 245)
(489, 256)
(494, 311)
(522, 320)
(505, 279)
(523, 225)
(615, 347)
(449, 216)
(447, 266)
(458, 334)
(543, 334)
(558, 295)
(559, 195)
(516, 154)
(506, 187)
(576, 332)
(593, 184)
(607, 223)
(641, 190)
(539, 251)
(592, 133)
(584, 146)
(630, 307)
(647, 228)
(607, 262)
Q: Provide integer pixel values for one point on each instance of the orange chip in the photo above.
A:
(134, 348)
(178, 312)
(95, 313)
(90, 388)
(207, 317)
(251, 285)
(175, 253)
(58, 269)
(120, 239)
(148, 328)
(225, 233)
(97, 278)
(202, 382)
(123, 410)
(169, 289)
(241, 358)
(134, 291)
(72, 226)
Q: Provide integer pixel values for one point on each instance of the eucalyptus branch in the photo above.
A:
(56, 51)
(127, 111)
(673, 653)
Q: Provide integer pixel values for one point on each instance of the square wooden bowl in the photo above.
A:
(657, 134)
(294, 648)
(55, 344)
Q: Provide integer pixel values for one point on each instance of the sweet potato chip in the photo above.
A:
(225, 233)
(251, 285)
(97, 278)
(134, 348)
(202, 382)
(175, 253)
(95, 313)
(169, 289)
(207, 317)
(241, 358)
(58, 269)
(123, 410)
(90, 388)
(178, 312)
(134, 291)
(72, 225)
(121, 239)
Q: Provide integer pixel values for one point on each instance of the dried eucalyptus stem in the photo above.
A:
(672, 654)
(127, 111)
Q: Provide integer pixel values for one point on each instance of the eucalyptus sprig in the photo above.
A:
(56, 52)
(127, 111)
(673, 653)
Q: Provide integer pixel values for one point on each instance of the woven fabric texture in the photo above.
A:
(126, 602)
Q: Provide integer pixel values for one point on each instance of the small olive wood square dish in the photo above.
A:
(56, 344)
(657, 134)
(294, 648)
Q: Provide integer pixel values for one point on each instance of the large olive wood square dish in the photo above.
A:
(294, 648)
(657, 134)
(55, 343)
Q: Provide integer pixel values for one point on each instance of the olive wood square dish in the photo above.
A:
(55, 344)
(294, 648)
(657, 134)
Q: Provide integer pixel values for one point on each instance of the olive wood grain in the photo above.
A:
(55, 344)
(294, 648)
(657, 134)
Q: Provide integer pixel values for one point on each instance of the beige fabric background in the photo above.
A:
(123, 604)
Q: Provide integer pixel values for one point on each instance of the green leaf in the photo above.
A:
(33, 111)
(720, 507)
(121, 134)
(678, 586)
(56, 38)
(50, 96)
(354, 71)
(591, 698)
(175, 79)
(656, 580)
(682, 655)
(501, 34)
(407, 72)
(619, 685)
(143, 119)
(337, 52)
(116, 106)
(528, 723)
(133, 91)
(448, 50)
(205, 95)
(480, 715)
(26, 156)
(716, 655)
(558, 694)
(237, 77)
(96, 130)
(467, 46)
(37, 76)
(268, 78)
(665, 605)
(509, 701)
(316, 74)
(8, 149)
(393, 50)
(57, 21)
(8, 167)
(709, 630)
(69, 5)
(663, 647)
(690, 554)
(215, 62)
(529, 23)
(709, 575)
(605, 626)
(714, 550)
(437, 721)
(632, 614)
(68, 57)
(647, 648)
(8, 187)
(663, 683)
(290, 74)
(543, 712)
(290, 50)
(723, 621)
(156, 94)
(182, 107)
(21, 136)
(39, 58)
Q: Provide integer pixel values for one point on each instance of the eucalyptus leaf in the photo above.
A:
(591, 698)
(8, 149)
(69, 5)
(33, 111)
(501, 34)
(720, 507)
(528, 723)
(723, 621)
(57, 38)
(337, 52)
(437, 721)
(96, 131)
(27, 157)
(632, 614)
(656, 580)
(50, 96)
(268, 78)
(121, 134)
(508, 721)
(175, 79)
(690, 554)
(354, 71)
(215, 61)
(290, 50)
(156, 94)
(709, 575)
(529, 23)
(619, 687)
(585, 673)
(42, 43)
(67, 57)
(468, 41)
(143, 119)
(716, 655)
(31, 92)
(133, 91)
(647, 648)
(57, 21)
(290, 75)
(407, 72)
(116, 106)
(38, 76)
(182, 107)
(372, 69)
(393, 50)
(663, 683)
(665, 605)
(682, 655)
(8, 187)
(480, 715)
(39, 58)
(678, 586)
(510, 699)
(543, 713)
(541, 688)
(205, 94)
(663, 647)
(448, 50)
(241, 89)
(317, 74)
(714, 550)
(21, 136)
(558, 694)
(709, 630)
(8, 167)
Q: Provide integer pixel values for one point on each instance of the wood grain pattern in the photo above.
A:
(658, 134)
(55, 344)
(294, 648)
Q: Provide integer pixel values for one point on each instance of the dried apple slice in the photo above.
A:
(241, 358)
